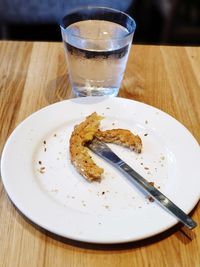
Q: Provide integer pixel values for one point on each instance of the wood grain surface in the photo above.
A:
(34, 75)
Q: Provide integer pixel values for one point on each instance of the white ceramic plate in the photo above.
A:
(45, 187)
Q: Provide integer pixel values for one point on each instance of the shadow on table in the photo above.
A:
(58, 89)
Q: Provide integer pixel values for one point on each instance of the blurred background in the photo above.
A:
(175, 22)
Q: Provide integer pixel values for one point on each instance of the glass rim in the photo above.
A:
(98, 8)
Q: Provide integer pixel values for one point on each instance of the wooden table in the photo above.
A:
(33, 75)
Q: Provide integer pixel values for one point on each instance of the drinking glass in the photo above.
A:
(97, 42)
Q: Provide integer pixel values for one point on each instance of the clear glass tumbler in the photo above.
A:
(97, 42)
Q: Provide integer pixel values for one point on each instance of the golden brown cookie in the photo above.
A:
(121, 137)
(85, 132)
(80, 158)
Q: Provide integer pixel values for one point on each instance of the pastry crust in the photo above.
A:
(85, 132)
(121, 137)
(80, 158)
